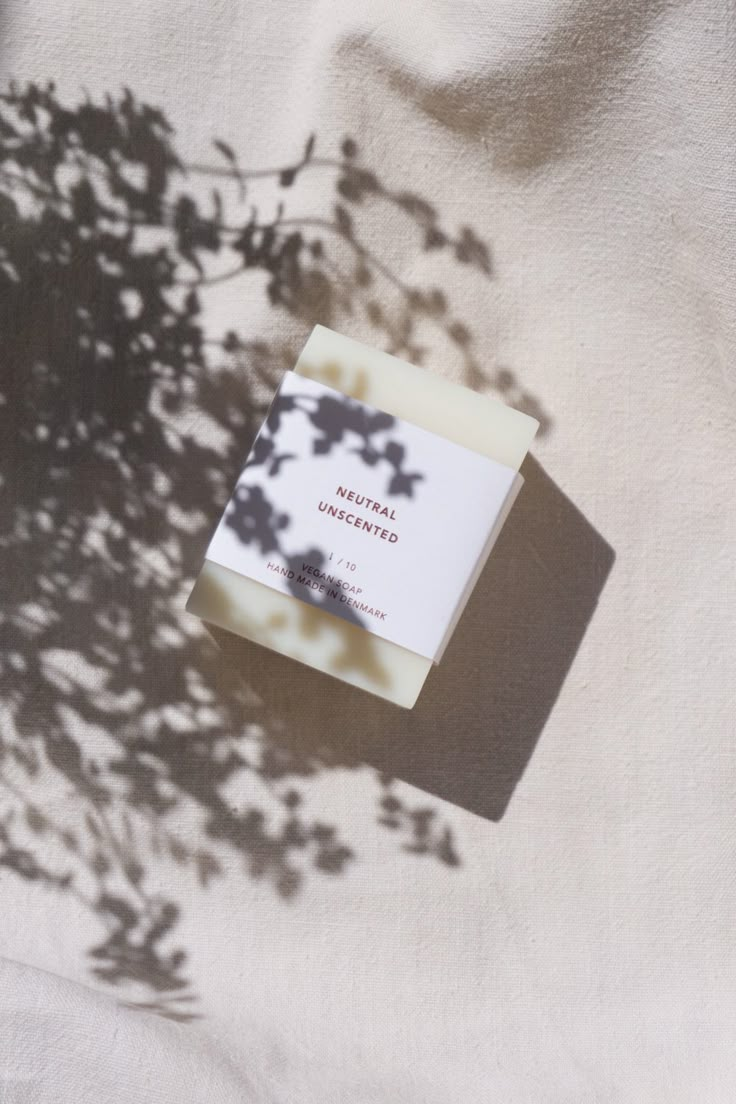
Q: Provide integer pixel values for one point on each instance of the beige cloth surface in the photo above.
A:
(224, 880)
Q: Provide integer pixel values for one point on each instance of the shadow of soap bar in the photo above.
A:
(311, 634)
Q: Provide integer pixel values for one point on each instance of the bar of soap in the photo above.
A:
(312, 635)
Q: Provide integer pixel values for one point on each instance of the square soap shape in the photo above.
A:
(310, 635)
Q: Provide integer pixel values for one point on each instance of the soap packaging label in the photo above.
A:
(363, 515)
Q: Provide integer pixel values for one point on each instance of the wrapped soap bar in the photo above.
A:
(363, 516)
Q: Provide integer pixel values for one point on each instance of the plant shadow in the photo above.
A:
(124, 424)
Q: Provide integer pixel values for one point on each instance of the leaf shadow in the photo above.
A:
(124, 423)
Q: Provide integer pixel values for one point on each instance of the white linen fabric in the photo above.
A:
(225, 879)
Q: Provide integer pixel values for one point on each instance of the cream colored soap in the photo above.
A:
(312, 636)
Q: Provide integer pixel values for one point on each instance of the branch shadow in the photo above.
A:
(123, 426)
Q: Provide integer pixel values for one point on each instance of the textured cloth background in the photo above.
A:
(223, 881)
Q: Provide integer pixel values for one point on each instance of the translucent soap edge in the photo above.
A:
(396, 386)
(226, 615)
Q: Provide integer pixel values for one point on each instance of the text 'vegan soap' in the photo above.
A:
(364, 514)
